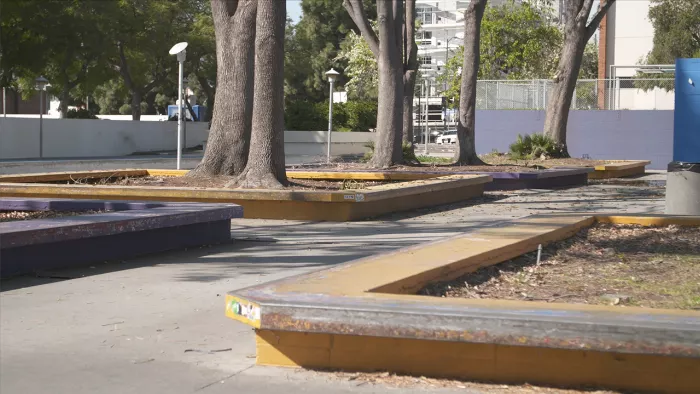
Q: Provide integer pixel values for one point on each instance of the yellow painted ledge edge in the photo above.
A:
(622, 165)
(396, 275)
(244, 311)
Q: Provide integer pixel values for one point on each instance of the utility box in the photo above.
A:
(683, 178)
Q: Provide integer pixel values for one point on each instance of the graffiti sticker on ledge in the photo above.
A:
(244, 309)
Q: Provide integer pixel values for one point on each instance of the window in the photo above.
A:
(424, 15)
(424, 38)
(425, 60)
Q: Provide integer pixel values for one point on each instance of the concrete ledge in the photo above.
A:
(620, 169)
(363, 315)
(545, 179)
(27, 246)
(267, 204)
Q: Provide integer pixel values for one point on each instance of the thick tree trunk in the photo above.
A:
(229, 136)
(559, 103)
(408, 88)
(135, 105)
(466, 133)
(387, 151)
(265, 167)
(576, 33)
(410, 70)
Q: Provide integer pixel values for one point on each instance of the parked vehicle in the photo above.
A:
(419, 136)
(449, 137)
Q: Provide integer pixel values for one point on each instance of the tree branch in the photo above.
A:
(358, 15)
(124, 67)
(582, 15)
(595, 22)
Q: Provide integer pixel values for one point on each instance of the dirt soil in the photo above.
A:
(11, 216)
(403, 381)
(652, 267)
(504, 159)
(221, 181)
(495, 163)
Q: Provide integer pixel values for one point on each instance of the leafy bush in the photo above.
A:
(350, 116)
(361, 115)
(534, 146)
(81, 113)
(409, 155)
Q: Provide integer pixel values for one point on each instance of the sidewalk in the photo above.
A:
(156, 324)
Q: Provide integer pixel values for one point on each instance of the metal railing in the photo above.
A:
(590, 94)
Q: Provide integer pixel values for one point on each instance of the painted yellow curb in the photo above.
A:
(341, 205)
(619, 169)
(397, 276)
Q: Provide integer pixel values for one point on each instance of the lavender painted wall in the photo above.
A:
(624, 135)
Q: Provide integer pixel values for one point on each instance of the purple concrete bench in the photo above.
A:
(129, 229)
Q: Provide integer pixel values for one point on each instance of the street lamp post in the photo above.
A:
(41, 83)
(179, 50)
(332, 76)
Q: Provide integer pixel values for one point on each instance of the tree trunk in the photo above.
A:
(63, 104)
(151, 103)
(466, 133)
(559, 102)
(229, 136)
(387, 151)
(408, 88)
(576, 34)
(410, 70)
(265, 167)
(135, 105)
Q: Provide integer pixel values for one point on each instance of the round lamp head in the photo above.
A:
(177, 48)
(41, 82)
(332, 75)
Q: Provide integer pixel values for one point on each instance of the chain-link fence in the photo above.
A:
(590, 94)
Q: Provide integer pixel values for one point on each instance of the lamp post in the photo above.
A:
(332, 76)
(179, 50)
(41, 83)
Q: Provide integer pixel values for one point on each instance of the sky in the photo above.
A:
(294, 9)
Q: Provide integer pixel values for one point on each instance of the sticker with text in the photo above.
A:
(247, 310)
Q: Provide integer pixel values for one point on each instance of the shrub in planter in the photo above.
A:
(535, 146)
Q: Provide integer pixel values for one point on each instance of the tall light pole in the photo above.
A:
(179, 50)
(332, 76)
(4, 103)
(41, 83)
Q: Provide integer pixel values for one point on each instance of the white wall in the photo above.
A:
(19, 137)
(633, 35)
(641, 135)
(76, 138)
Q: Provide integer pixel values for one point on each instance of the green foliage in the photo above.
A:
(350, 116)
(81, 113)
(534, 146)
(409, 155)
(676, 35)
(361, 69)
(434, 160)
(316, 41)
(518, 41)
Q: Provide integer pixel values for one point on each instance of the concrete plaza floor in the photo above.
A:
(156, 324)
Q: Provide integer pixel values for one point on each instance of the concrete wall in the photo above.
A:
(76, 138)
(646, 135)
(19, 137)
(643, 135)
